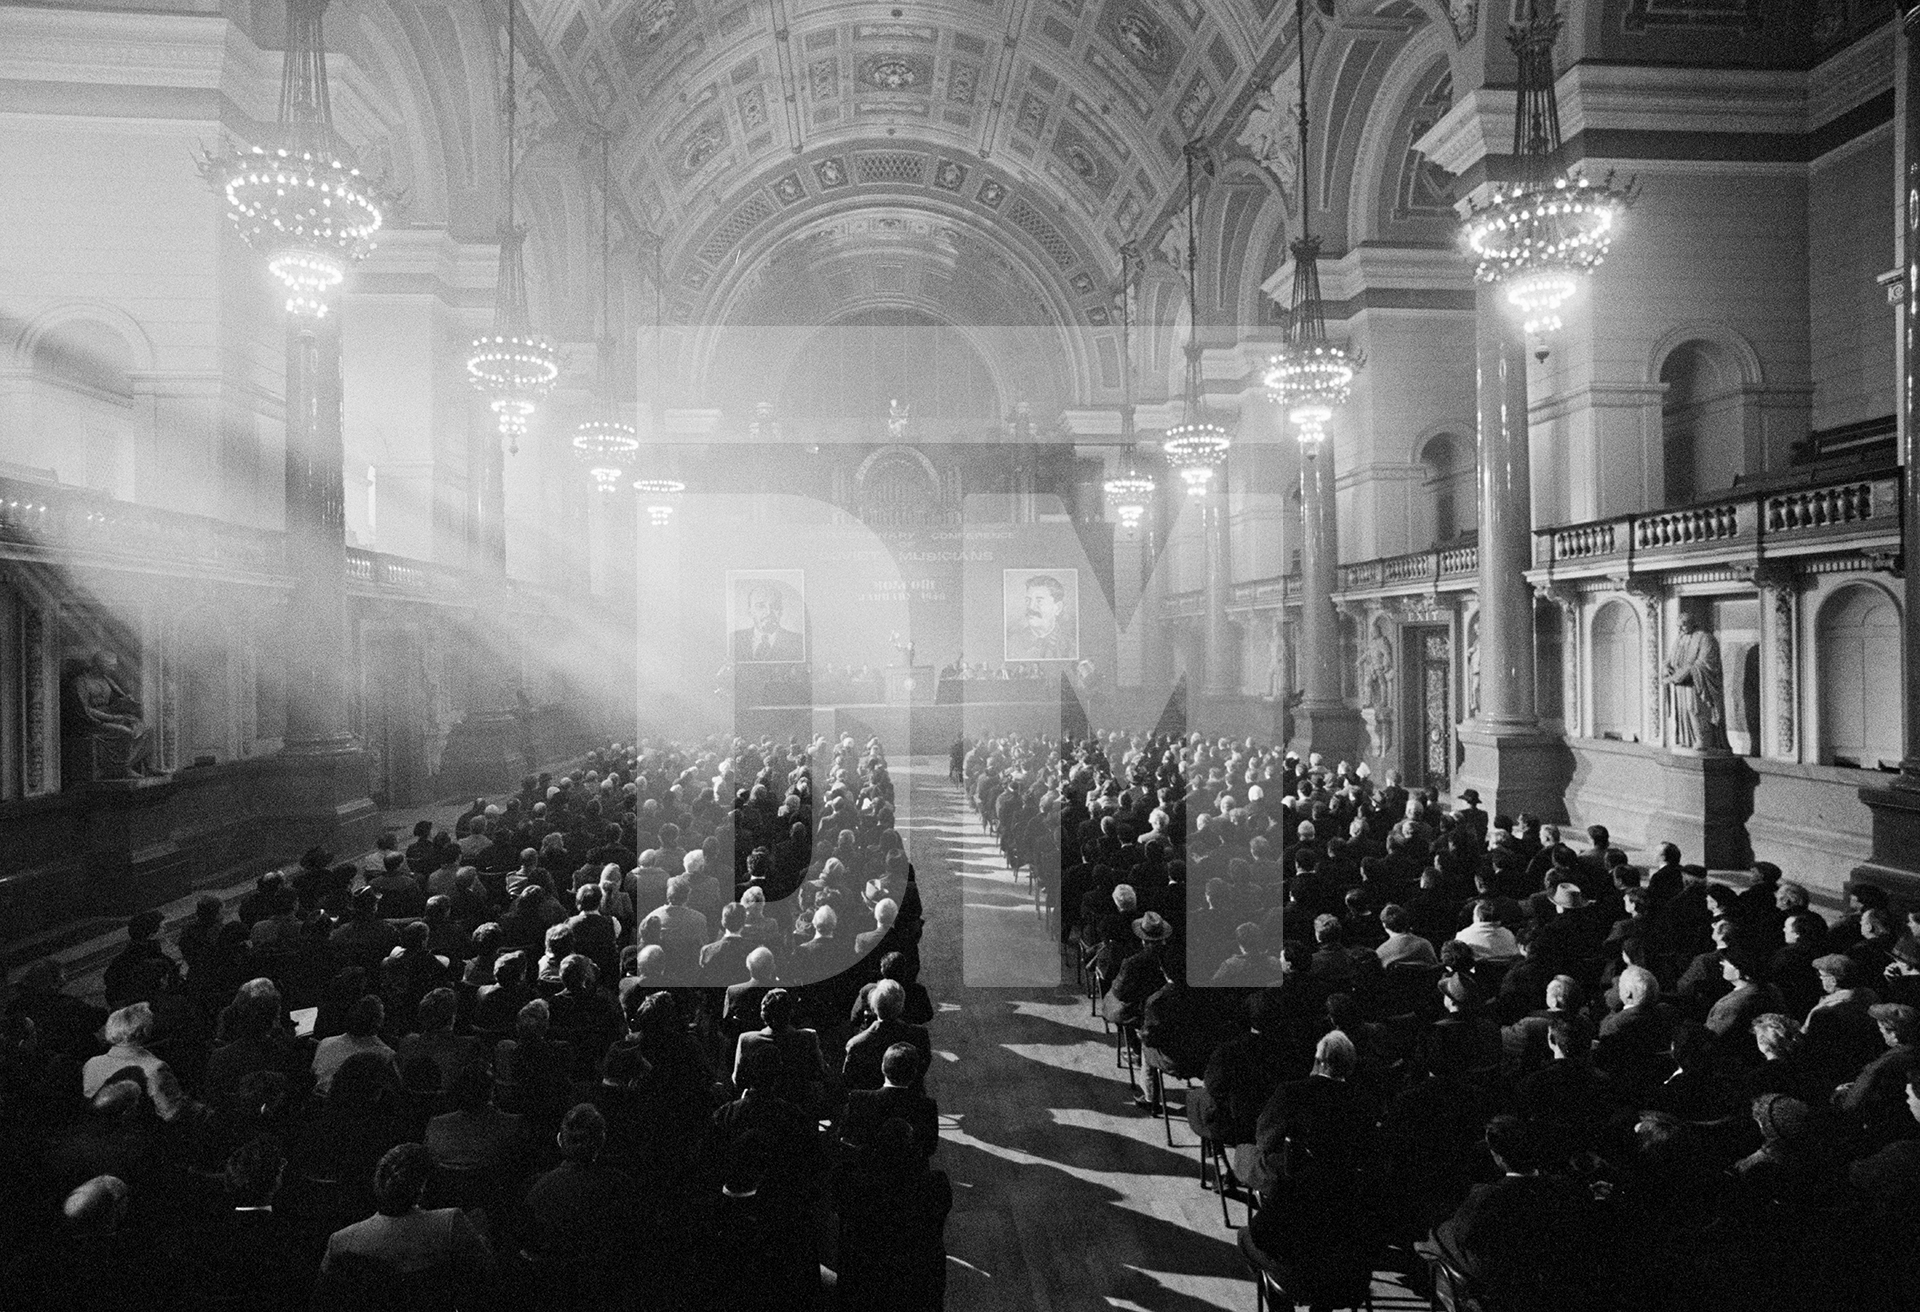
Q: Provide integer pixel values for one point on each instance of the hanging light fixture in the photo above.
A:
(1310, 376)
(301, 202)
(512, 364)
(1196, 446)
(1540, 236)
(660, 496)
(1130, 494)
(605, 443)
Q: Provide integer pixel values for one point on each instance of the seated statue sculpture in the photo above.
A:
(97, 712)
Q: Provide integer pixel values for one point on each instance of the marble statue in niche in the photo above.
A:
(1696, 690)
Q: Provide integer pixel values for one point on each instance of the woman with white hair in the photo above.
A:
(128, 1031)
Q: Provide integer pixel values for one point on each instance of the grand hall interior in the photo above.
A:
(989, 655)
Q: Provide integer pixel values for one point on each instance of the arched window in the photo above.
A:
(1448, 486)
(1857, 649)
(1617, 672)
(1702, 423)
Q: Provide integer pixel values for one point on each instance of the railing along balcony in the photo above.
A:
(378, 570)
(38, 519)
(1751, 527)
(1432, 570)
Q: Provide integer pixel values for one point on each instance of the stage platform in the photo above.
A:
(921, 729)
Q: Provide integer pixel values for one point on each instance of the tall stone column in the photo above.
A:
(323, 775)
(1896, 809)
(1324, 723)
(486, 748)
(1513, 764)
(316, 543)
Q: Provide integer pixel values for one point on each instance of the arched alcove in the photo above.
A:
(1703, 420)
(1618, 673)
(1446, 487)
(84, 418)
(1857, 671)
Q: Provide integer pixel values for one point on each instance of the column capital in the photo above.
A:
(1645, 588)
(1766, 575)
(1562, 594)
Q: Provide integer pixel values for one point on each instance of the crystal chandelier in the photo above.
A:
(1539, 236)
(606, 444)
(1196, 446)
(660, 496)
(512, 365)
(1130, 495)
(1309, 375)
(301, 203)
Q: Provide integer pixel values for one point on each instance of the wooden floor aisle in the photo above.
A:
(1065, 1196)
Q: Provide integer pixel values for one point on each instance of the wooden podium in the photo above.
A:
(910, 685)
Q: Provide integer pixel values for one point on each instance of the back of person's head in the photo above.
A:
(888, 999)
(1512, 1142)
(533, 1022)
(900, 1064)
(365, 1017)
(825, 920)
(1638, 985)
(400, 1179)
(1775, 1035)
(1326, 929)
(1568, 1038)
(679, 889)
(252, 1172)
(733, 917)
(885, 912)
(588, 898)
(577, 973)
(98, 1206)
(559, 939)
(124, 1093)
(776, 1009)
(895, 965)
(1669, 854)
(583, 1133)
(1395, 919)
(436, 1010)
(1334, 1055)
(415, 935)
(1598, 835)
(1485, 912)
(760, 965)
(132, 1025)
(1563, 993)
(510, 968)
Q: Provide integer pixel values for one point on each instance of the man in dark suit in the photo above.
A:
(723, 962)
(868, 1109)
(1519, 1234)
(867, 1050)
(766, 639)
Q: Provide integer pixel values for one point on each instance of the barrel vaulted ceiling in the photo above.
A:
(980, 160)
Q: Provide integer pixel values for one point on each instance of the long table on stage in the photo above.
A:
(916, 729)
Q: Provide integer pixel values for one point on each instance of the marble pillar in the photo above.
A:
(1508, 758)
(1323, 723)
(322, 774)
